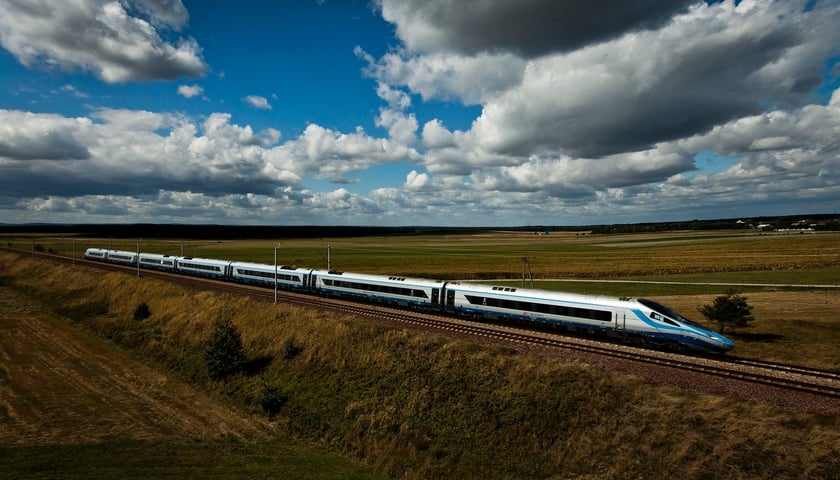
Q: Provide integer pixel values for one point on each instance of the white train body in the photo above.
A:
(96, 254)
(262, 274)
(203, 267)
(113, 256)
(646, 320)
(628, 318)
(157, 261)
(418, 293)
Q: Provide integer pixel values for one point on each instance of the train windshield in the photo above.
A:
(667, 311)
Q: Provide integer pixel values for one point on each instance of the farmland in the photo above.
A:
(777, 258)
(417, 406)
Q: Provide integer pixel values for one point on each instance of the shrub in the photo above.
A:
(290, 349)
(270, 397)
(224, 354)
(142, 312)
(730, 310)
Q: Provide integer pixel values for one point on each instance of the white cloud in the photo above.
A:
(190, 91)
(626, 91)
(102, 37)
(397, 99)
(401, 128)
(28, 136)
(471, 80)
(592, 126)
(257, 101)
(72, 90)
(416, 181)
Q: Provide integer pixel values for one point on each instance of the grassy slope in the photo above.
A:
(418, 406)
(73, 406)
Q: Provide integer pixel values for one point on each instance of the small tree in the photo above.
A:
(142, 312)
(730, 309)
(225, 354)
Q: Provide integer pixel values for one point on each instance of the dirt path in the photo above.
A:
(60, 385)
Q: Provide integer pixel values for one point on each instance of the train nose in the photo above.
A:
(725, 343)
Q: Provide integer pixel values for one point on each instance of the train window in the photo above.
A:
(658, 307)
(577, 312)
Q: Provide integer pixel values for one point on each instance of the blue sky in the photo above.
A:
(410, 112)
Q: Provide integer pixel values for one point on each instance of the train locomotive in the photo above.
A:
(635, 320)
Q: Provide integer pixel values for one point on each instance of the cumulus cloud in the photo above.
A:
(596, 122)
(116, 44)
(140, 152)
(665, 80)
(447, 76)
(27, 136)
(257, 101)
(329, 154)
(705, 68)
(416, 181)
(524, 27)
(133, 152)
(190, 91)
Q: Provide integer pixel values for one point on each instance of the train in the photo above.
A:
(633, 320)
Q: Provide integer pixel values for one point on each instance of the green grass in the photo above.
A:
(218, 459)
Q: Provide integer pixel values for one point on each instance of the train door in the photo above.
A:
(449, 306)
(621, 322)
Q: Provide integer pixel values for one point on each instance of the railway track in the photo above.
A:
(789, 377)
(823, 383)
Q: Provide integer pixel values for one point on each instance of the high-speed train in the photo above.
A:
(632, 319)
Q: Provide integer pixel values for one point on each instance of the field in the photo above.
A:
(790, 279)
(412, 406)
(772, 258)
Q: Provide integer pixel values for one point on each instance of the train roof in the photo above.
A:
(206, 261)
(521, 292)
(265, 266)
(156, 255)
(400, 279)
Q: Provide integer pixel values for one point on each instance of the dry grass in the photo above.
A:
(421, 406)
(798, 327)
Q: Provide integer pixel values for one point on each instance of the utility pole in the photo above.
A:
(526, 265)
(275, 273)
(329, 261)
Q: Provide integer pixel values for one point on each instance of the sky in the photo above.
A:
(417, 112)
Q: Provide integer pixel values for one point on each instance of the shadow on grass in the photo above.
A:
(758, 337)
(256, 365)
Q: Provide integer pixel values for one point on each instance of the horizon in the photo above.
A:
(733, 220)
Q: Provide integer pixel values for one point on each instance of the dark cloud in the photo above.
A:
(526, 27)
(700, 71)
(49, 146)
(69, 180)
